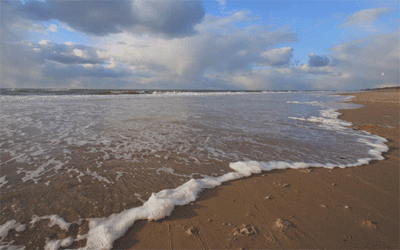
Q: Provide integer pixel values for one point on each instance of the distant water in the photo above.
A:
(70, 92)
(77, 155)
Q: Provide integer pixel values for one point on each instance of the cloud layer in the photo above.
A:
(169, 18)
(218, 49)
(174, 44)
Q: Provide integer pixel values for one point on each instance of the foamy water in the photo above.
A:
(108, 160)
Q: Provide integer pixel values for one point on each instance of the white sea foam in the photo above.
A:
(52, 244)
(3, 181)
(56, 244)
(328, 119)
(297, 118)
(54, 220)
(11, 224)
(119, 175)
(9, 246)
(156, 94)
(35, 174)
(313, 103)
(98, 177)
(103, 232)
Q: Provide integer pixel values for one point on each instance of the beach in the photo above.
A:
(236, 169)
(356, 207)
(199, 125)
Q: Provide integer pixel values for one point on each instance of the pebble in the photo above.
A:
(323, 206)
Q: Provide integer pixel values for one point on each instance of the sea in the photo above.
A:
(80, 166)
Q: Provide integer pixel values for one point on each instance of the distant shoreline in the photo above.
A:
(102, 91)
(397, 88)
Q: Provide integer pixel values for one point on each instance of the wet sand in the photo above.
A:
(355, 207)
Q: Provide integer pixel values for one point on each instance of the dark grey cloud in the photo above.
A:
(170, 18)
(318, 61)
(49, 64)
(68, 54)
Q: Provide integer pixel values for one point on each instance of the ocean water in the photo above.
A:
(98, 160)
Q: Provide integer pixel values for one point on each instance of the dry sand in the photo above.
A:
(314, 208)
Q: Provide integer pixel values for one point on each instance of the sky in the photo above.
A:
(212, 44)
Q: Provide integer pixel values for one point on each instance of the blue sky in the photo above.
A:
(200, 44)
(316, 22)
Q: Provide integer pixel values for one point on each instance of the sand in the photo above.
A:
(314, 208)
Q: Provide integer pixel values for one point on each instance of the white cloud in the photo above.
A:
(78, 52)
(218, 24)
(53, 28)
(222, 2)
(43, 42)
(277, 57)
(365, 18)
(113, 64)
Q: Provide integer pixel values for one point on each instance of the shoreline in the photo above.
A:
(354, 207)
